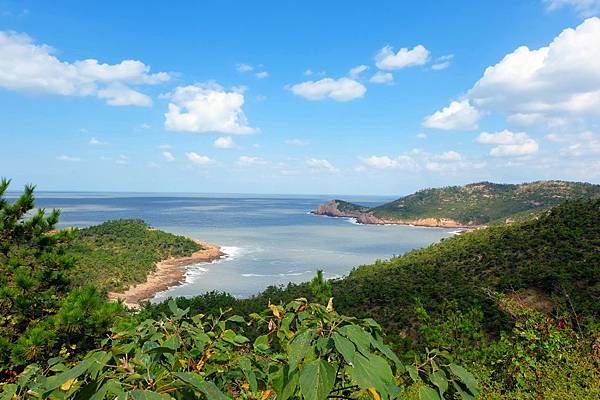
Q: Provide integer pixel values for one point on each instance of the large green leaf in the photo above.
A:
(317, 379)
(345, 347)
(246, 366)
(55, 381)
(373, 371)
(439, 379)
(147, 395)
(284, 382)
(210, 390)
(466, 377)
(298, 347)
(427, 393)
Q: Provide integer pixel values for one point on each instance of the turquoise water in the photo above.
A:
(268, 239)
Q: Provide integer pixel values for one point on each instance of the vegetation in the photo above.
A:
(39, 314)
(479, 203)
(119, 253)
(517, 305)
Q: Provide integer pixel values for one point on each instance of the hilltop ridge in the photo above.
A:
(471, 205)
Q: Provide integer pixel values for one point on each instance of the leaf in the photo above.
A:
(67, 385)
(210, 390)
(147, 395)
(379, 345)
(466, 377)
(358, 336)
(261, 343)
(427, 393)
(439, 379)
(284, 382)
(317, 379)
(246, 366)
(330, 305)
(344, 346)
(374, 393)
(54, 382)
(237, 318)
(372, 372)
(298, 347)
(413, 372)
(275, 310)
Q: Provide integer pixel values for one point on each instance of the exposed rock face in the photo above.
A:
(331, 209)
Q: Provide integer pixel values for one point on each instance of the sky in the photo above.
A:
(312, 97)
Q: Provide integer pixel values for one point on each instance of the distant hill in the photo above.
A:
(466, 206)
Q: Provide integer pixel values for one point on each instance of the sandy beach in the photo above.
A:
(169, 272)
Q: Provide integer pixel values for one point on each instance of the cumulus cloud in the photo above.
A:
(561, 78)
(459, 115)
(205, 108)
(168, 156)
(356, 71)
(583, 7)
(509, 143)
(382, 77)
(224, 142)
(251, 161)
(297, 142)
(342, 89)
(321, 164)
(388, 60)
(29, 67)
(262, 75)
(585, 143)
(199, 159)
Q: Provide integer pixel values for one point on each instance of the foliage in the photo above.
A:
(118, 253)
(304, 350)
(480, 203)
(38, 314)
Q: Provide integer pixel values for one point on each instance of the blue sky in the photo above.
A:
(309, 97)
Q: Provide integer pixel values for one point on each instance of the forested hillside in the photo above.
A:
(474, 204)
(119, 253)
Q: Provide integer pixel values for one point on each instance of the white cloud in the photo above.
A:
(120, 95)
(145, 126)
(297, 142)
(356, 71)
(583, 7)
(262, 75)
(382, 77)
(386, 58)
(64, 157)
(316, 164)
(442, 62)
(199, 159)
(404, 162)
(205, 108)
(244, 67)
(224, 142)
(459, 115)
(561, 78)
(29, 67)
(122, 160)
(421, 136)
(450, 156)
(308, 72)
(168, 156)
(509, 143)
(342, 89)
(96, 142)
(582, 144)
(251, 161)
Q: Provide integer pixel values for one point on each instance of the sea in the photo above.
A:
(267, 239)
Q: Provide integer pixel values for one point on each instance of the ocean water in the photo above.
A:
(269, 240)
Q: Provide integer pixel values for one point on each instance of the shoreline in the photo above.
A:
(414, 223)
(168, 273)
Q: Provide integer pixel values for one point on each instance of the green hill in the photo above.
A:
(470, 205)
(118, 253)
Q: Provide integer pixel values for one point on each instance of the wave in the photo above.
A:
(282, 274)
